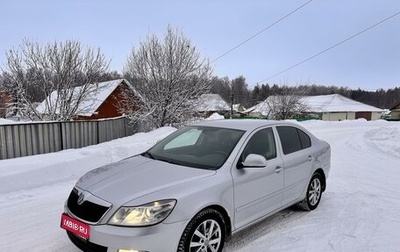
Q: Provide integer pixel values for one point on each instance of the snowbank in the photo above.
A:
(6, 121)
(215, 116)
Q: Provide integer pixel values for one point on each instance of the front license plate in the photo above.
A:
(75, 226)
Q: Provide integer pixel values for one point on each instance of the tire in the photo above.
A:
(205, 232)
(314, 193)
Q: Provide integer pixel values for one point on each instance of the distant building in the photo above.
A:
(5, 101)
(336, 107)
(395, 112)
(207, 104)
(238, 108)
(333, 107)
(104, 102)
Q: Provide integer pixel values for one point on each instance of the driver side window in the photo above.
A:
(261, 143)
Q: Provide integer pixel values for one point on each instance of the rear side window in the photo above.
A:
(305, 139)
(293, 139)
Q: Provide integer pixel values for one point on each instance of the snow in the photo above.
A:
(262, 108)
(211, 102)
(359, 210)
(215, 116)
(6, 121)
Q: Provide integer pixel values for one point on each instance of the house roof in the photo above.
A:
(396, 106)
(211, 102)
(238, 107)
(320, 104)
(262, 108)
(91, 102)
(336, 103)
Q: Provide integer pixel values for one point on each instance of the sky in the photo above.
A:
(369, 61)
(359, 210)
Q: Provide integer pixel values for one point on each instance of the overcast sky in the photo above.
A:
(369, 61)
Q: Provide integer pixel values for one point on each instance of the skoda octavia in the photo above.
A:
(196, 187)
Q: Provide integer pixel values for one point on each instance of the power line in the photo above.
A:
(329, 48)
(258, 33)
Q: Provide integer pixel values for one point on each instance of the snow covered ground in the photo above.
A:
(360, 211)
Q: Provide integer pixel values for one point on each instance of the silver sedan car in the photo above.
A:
(196, 187)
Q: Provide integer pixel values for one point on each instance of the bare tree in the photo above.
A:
(287, 104)
(240, 90)
(222, 87)
(166, 75)
(62, 71)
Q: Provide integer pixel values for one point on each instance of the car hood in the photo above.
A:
(124, 181)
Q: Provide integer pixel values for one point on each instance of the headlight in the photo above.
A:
(144, 215)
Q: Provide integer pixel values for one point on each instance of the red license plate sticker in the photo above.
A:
(75, 226)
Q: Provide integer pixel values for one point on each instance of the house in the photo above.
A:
(336, 107)
(5, 101)
(395, 112)
(106, 100)
(207, 104)
(332, 107)
(238, 108)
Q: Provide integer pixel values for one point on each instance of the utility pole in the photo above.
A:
(231, 105)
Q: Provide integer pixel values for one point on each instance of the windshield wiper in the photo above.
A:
(148, 154)
(169, 161)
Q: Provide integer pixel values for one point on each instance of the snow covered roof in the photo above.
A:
(238, 107)
(396, 106)
(211, 102)
(320, 104)
(262, 108)
(91, 102)
(336, 103)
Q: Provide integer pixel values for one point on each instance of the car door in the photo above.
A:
(298, 159)
(258, 190)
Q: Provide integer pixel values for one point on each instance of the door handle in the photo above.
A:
(278, 169)
(310, 158)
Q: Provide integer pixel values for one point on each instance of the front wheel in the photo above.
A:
(314, 193)
(204, 233)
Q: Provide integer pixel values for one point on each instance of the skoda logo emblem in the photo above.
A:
(81, 199)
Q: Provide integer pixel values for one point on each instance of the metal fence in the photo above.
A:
(19, 140)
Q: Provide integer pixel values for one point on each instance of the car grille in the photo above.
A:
(87, 211)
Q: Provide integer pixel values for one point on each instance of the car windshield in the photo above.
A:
(196, 146)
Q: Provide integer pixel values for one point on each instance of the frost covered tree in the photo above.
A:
(286, 104)
(61, 71)
(167, 74)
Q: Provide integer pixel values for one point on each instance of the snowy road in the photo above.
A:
(360, 211)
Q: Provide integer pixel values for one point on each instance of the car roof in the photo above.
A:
(241, 124)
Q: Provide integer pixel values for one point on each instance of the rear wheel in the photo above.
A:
(204, 233)
(314, 193)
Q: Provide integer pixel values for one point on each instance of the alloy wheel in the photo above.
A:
(207, 237)
(315, 191)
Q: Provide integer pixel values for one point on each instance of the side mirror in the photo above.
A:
(254, 160)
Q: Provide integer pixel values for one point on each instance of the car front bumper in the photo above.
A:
(107, 238)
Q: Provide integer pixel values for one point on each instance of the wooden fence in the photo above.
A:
(19, 140)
